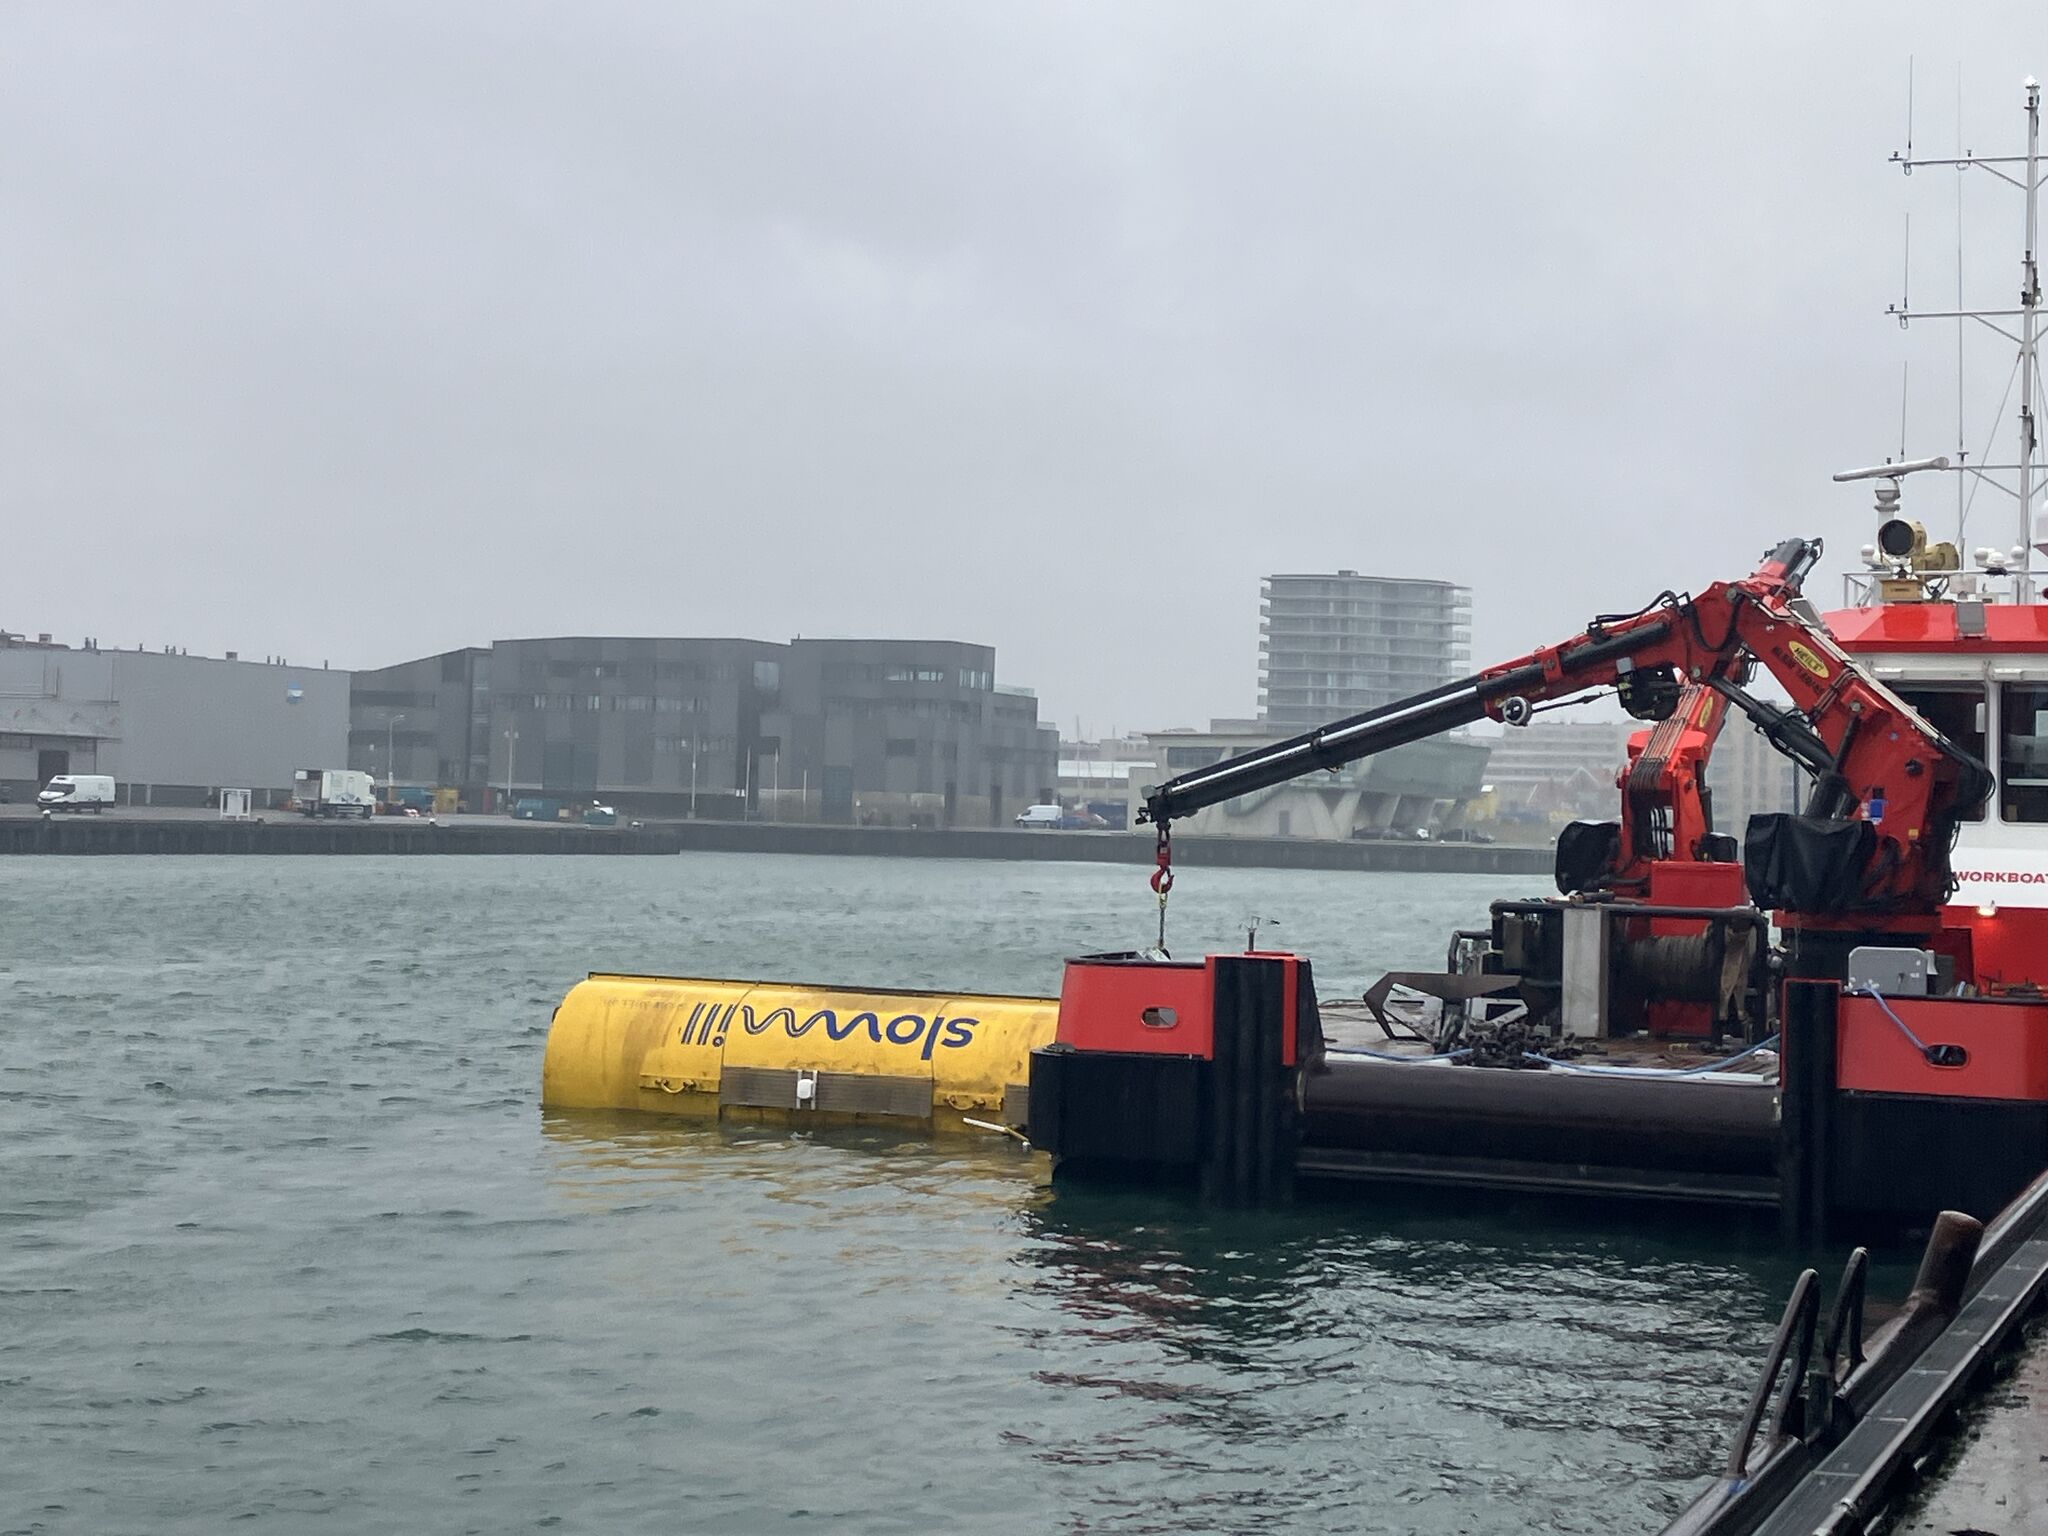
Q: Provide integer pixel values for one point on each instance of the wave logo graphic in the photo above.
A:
(709, 1023)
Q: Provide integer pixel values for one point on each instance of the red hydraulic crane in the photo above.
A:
(1869, 854)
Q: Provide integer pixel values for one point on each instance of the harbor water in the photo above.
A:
(287, 1244)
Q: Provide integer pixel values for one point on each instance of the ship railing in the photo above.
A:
(1860, 588)
(1832, 1432)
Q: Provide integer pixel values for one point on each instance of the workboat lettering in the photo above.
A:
(708, 1023)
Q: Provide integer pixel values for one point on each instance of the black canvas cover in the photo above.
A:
(1807, 863)
(1720, 847)
(1587, 853)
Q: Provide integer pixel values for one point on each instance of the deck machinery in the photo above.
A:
(1913, 1078)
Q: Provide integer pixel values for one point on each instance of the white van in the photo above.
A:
(77, 792)
(1040, 816)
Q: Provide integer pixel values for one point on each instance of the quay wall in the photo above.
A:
(125, 833)
(136, 834)
(1111, 848)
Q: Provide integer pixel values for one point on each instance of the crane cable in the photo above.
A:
(1162, 878)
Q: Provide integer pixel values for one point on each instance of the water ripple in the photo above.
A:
(287, 1238)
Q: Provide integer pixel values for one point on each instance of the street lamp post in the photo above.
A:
(511, 750)
(693, 778)
(391, 754)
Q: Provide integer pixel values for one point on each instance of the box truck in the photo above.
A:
(333, 792)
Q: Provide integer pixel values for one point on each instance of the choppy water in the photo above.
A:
(286, 1243)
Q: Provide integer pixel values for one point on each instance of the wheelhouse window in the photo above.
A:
(2023, 752)
(1957, 711)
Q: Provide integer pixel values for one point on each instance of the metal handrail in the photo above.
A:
(1848, 1318)
(1795, 1333)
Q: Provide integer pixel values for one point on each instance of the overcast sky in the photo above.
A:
(363, 331)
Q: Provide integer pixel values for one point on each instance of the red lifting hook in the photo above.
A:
(1162, 877)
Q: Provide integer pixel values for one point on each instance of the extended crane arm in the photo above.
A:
(1345, 741)
(1871, 754)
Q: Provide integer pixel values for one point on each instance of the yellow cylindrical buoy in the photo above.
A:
(677, 1046)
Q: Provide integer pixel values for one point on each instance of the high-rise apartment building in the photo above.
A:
(1336, 644)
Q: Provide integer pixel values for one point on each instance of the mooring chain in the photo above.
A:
(1162, 879)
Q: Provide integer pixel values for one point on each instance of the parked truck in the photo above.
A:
(333, 792)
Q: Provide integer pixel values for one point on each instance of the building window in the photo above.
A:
(901, 746)
(1957, 711)
(2023, 752)
(914, 675)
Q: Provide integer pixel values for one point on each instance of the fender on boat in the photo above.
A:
(766, 1050)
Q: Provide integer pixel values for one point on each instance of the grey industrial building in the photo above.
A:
(1338, 643)
(170, 729)
(424, 722)
(913, 730)
(902, 732)
(893, 731)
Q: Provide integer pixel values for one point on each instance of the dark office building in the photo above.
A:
(425, 722)
(897, 732)
(909, 732)
(654, 722)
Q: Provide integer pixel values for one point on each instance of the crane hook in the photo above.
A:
(1162, 878)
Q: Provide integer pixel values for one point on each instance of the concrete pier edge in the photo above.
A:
(129, 833)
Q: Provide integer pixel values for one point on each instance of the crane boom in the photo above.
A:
(1873, 757)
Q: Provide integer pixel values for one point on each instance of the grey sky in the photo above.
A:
(360, 331)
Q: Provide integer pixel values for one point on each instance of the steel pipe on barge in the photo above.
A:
(1696, 1139)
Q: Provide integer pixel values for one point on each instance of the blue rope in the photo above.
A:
(1699, 1071)
(1878, 997)
(1359, 1050)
